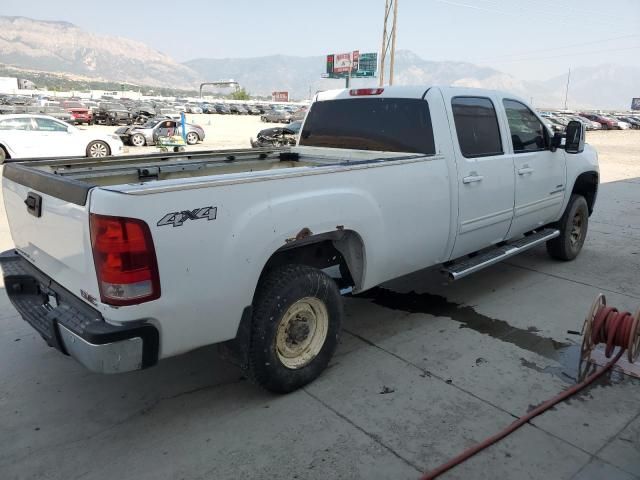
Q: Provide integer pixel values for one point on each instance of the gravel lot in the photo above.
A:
(424, 369)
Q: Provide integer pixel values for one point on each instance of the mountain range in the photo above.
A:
(65, 48)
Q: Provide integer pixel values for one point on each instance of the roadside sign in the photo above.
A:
(280, 96)
(354, 64)
(635, 104)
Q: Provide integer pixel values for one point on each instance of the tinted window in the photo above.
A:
(16, 124)
(477, 126)
(527, 132)
(385, 124)
(48, 125)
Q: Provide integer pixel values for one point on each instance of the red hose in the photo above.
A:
(611, 327)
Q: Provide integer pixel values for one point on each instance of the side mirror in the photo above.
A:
(575, 137)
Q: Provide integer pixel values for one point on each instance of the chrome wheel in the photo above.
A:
(302, 332)
(137, 140)
(576, 235)
(98, 150)
(192, 138)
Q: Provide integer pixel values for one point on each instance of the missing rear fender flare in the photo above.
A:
(587, 185)
(342, 248)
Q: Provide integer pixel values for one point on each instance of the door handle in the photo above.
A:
(525, 171)
(472, 178)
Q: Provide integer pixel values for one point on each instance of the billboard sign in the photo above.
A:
(635, 103)
(355, 64)
(279, 96)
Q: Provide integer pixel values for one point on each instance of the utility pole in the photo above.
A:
(566, 92)
(388, 40)
(393, 41)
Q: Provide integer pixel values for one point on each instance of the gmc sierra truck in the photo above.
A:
(125, 261)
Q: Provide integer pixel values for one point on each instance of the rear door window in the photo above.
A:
(477, 126)
(384, 124)
(16, 124)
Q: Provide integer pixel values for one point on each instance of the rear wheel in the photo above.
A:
(3, 155)
(573, 228)
(192, 138)
(295, 329)
(98, 149)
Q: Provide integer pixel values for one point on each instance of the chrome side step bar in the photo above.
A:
(467, 265)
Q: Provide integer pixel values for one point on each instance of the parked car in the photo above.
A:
(632, 121)
(606, 122)
(147, 134)
(31, 136)
(111, 113)
(160, 256)
(589, 124)
(79, 112)
(169, 113)
(299, 114)
(276, 116)
(54, 111)
(191, 108)
(222, 109)
(251, 109)
(277, 136)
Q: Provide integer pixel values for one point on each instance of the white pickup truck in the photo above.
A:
(125, 261)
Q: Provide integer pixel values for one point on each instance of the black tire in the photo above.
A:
(192, 138)
(278, 291)
(98, 149)
(3, 155)
(573, 228)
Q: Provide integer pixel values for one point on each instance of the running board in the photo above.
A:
(467, 265)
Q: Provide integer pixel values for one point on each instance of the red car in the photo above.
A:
(606, 122)
(79, 112)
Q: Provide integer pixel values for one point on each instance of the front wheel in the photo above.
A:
(295, 329)
(573, 228)
(192, 138)
(98, 149)
(137, 140)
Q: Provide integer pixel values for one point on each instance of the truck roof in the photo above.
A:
(404, 91)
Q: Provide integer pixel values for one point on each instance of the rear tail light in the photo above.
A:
(360, 92)
(125, 260)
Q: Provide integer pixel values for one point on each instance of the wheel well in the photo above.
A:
(587, 185)
(6, 152)
(342, 248)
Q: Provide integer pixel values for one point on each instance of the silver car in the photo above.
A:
(277, 116)
(147, 134)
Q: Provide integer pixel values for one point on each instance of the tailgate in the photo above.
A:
(50, 228)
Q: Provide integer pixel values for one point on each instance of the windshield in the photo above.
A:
(385, 124)
(151, 123)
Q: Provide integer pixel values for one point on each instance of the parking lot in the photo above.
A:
(424, 370)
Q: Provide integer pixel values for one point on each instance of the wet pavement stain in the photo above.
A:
(566, 354)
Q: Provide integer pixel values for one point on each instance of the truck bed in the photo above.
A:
(71, 179)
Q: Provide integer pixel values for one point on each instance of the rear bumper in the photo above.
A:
(74, 327)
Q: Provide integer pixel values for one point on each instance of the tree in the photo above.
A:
(240, 94)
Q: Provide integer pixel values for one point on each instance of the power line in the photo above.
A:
(570, 54)
(553, 49)
(518, 14)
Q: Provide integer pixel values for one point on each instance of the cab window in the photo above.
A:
(528, 134)
(477, 126)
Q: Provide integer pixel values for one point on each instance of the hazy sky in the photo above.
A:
(531, 39)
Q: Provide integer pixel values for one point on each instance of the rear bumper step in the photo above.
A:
(72, 326)
(468, 265)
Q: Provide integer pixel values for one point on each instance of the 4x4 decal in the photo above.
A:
(177, 219)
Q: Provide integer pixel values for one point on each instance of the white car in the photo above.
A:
(31, 136)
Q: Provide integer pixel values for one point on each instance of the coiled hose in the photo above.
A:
(603, 325)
